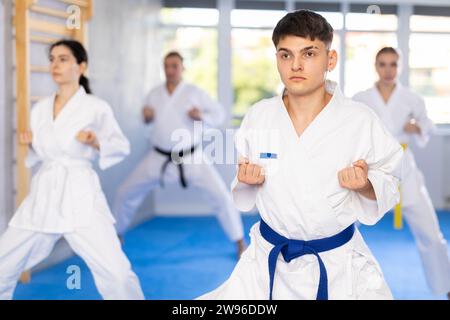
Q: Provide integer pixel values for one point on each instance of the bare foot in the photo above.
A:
(240, 247)
(25, 277)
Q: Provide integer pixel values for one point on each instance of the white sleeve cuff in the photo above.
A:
(244, 195)
(387, 193)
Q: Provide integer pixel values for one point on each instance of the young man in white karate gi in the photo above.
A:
(404, 114)
(172, 108)
(314, 163)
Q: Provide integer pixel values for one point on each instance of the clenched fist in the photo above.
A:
(148, 114)
(25, 138)
(356, 178)
(411, 127)
(250, 173)
(89, 138)
(195, 114)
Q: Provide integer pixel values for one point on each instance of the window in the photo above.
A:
(255, 75)
(430, 24)
(256, 18)
(371, 22)
(193, 31)
(430, 73)
(336, 19)
(189, 16)
(254, 70)
(429, 69)
(189, 31)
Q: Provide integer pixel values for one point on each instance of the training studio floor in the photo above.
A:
(184, 257)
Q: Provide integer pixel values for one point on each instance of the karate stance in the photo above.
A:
(68, 130)
(404, 114)
(173, 107)
(314, 163)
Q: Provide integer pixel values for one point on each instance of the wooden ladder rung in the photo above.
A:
(80, 3)
(49, 11)
(42, 39)
(49, 27)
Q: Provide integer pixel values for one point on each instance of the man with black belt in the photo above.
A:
(172, 109)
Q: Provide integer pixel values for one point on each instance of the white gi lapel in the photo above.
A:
(318, 128)
(66, 114)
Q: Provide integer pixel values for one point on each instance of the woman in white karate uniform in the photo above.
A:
(404, 114)
(68, 131)
(314, 163)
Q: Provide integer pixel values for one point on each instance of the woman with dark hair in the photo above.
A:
(68, 131)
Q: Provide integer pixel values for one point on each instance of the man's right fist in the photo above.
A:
(148, 114)
(25, 138)
(250, 173)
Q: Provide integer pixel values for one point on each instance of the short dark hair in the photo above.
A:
(386, 50)
(173, 54)
(305, 24)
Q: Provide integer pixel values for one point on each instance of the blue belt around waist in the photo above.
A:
(292, 249)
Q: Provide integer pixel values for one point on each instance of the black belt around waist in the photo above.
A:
(176, 158)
